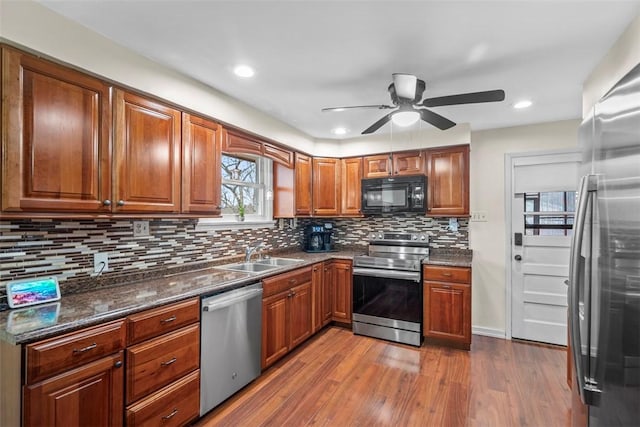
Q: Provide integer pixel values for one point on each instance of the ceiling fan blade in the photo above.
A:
(377, 125)
(435, 119)
(465, 98)
(377, 107)
(405, 85)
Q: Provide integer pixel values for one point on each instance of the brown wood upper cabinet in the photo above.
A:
(201, 173)
(239, 142)
(56, 139)
(326, 183)
(303, 190)
(448, 181)
(403, 163)
(351, 176)
(147, 155)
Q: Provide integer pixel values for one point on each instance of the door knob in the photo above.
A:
(518, 258)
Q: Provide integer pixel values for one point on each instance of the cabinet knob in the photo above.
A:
(106, 202)
(118, 364)
(120, 202)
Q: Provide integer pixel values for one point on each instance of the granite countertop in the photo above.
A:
(451, 258)
(74, 311)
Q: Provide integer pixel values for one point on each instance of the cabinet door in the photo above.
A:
(447, 311)
(300, 314)
(91, 395)
(327, 293)
(408, 163)
(317, 277)
(303, 185)
(351, 177)
(202, 140)
(56, 137)
(326, 185)
(275, 334)
(278, 154)
(377, 166)
(448, 181)
(342, 290)
(147, 155)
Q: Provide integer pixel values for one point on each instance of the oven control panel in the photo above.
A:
(399, 237)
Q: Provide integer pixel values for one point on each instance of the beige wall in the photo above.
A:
(488, 239)
(621, 58)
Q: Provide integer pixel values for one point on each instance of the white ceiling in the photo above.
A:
(314, 54)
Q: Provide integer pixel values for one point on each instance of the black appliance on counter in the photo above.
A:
(394, 194)
(317, 237)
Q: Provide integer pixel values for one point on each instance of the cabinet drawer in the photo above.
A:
(158, 321)
(173, 405)
(282, 282)
(157, 362)
(447, 274)
(55, 355)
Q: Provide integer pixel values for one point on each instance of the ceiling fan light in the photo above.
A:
(405, 118)
(405, 85)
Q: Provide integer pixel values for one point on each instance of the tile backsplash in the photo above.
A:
(65, 248)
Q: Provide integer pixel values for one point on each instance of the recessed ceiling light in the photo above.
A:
(243, 71)
(339, 131)
(525, 103)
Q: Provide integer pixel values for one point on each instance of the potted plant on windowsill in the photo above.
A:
(240, 215)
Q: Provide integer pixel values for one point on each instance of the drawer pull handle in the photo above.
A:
(293, 281)
(447, 274)
(171, 415)
(169, 362)
(87, 348)
(169, 319)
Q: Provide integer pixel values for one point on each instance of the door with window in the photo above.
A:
(542, 213)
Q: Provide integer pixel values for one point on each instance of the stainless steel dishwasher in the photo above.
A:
(230, 340)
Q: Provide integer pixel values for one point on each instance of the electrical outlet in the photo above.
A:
(140, 228)
(100, 262)
(479, 216)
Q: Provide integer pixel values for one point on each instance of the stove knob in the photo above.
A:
(414, 237)
(380, 236)
(423, 237)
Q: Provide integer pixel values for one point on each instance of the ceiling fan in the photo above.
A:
(406, 93)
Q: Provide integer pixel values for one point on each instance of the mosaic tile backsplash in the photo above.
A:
(36, 248)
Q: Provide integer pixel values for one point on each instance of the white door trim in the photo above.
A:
(509, 159)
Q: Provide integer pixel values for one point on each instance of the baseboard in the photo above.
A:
(488, 332)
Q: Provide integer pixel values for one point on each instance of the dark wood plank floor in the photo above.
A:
(341, 379)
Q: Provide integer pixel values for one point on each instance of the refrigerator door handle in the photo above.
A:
(588, 186)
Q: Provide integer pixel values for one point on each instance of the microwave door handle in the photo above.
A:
(587, 189)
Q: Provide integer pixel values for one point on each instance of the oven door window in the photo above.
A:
(387, 298)
(387, 197)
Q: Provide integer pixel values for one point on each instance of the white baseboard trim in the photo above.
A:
(488, 332)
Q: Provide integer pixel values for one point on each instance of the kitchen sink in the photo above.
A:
(279, 262)
(251, 267)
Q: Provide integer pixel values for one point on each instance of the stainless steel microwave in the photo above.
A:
(394, 194)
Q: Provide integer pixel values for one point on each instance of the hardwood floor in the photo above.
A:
(341, 379)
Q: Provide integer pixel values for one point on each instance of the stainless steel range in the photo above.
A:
(387, 288)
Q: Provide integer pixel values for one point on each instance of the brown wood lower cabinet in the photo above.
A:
(339, 274)
(286, 313)
(447, 305)
(174, 405)
(91, 395)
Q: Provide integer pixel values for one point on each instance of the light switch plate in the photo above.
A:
(479, 216)
(140, 228)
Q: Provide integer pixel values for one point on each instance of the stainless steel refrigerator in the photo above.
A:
(604, 278)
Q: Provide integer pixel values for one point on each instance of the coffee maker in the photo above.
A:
(317, 237)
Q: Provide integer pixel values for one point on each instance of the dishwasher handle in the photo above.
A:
(224, 301)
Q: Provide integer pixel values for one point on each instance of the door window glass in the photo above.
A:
(550, 213)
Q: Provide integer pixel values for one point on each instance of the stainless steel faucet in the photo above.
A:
(250, 250)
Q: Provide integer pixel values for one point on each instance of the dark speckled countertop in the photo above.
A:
(78, 310)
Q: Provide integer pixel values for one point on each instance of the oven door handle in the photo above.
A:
(387, 274)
